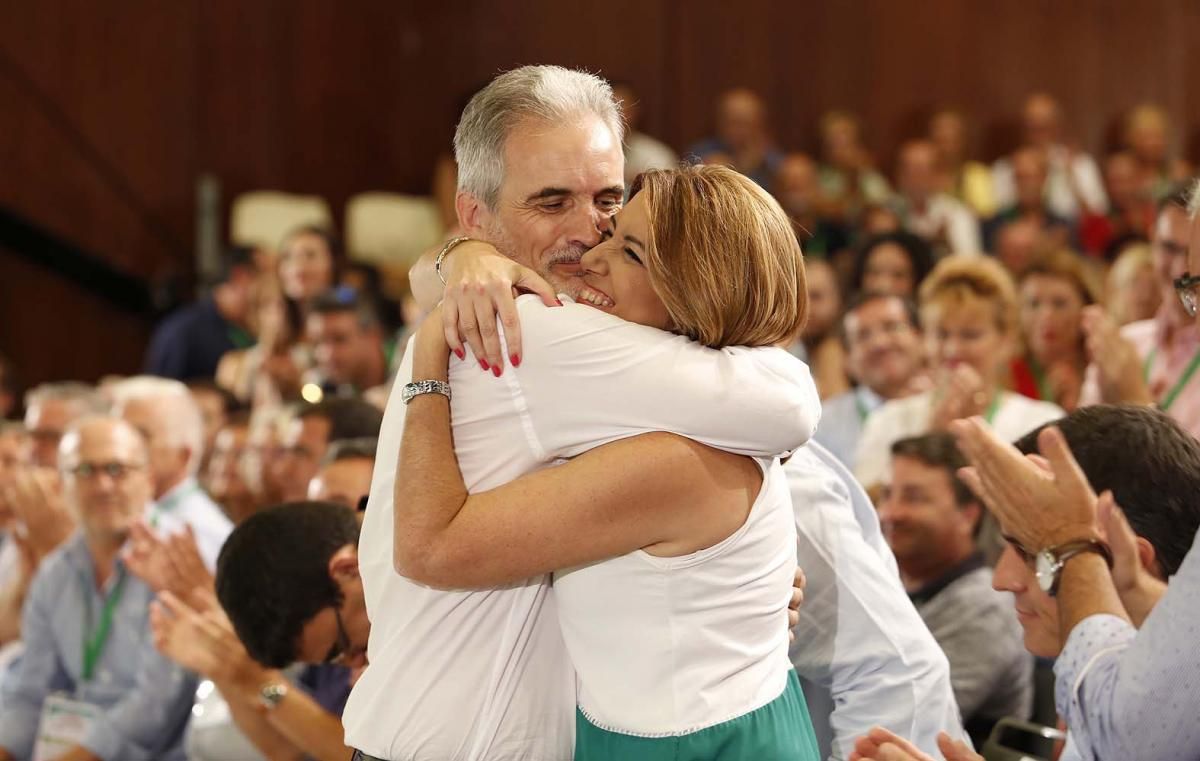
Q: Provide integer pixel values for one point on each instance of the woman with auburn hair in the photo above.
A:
(968, 310)
(673, 560)
(1053, 292)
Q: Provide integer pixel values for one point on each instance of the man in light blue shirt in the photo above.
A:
(165, 413)
(85, 624)
(1123, 692)
(883, 352)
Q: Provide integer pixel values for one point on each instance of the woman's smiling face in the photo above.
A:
(614, 274)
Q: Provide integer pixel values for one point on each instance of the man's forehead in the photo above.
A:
(580, 157)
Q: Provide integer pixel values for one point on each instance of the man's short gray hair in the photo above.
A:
(1194, 199)
(90, 400)
(551, 94)
(186, 429)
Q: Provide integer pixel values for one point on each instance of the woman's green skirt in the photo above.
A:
(779, 731)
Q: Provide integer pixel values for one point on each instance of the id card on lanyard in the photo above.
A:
(66, 722)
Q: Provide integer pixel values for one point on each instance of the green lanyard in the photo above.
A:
(1188, 372)
(238, 336)
(990, 414)
(861, 408)
(168, 504)
(1045, 393)
(94, 642)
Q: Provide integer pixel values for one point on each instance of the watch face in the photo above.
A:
(1047, 570)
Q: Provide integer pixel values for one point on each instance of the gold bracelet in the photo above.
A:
(441, 257)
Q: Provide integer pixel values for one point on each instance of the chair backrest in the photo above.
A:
(1016, 740)
(390, 229)
(262, 217)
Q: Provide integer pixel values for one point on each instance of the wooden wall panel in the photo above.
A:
(336, 98)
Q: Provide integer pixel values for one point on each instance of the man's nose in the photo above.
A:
(587, 224)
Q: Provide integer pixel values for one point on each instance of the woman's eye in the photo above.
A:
(629, 252)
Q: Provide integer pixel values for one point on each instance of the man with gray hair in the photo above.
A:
(540, 171)
(49, 409)
(165, 413)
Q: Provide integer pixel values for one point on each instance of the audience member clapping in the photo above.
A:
(849, 180)
(969, 317)
(1146, 134)
(135, 703)
(961, 177)
(167, 416)
(1053, 293)
(885, 356)
(819, 343)
(226, 479)
(352, 353)
(189, 343)
(1152, 361)
(743, 137)
(797, 187)
(944, 222)
(1029, 171)
(307, 435)
(893, 263)
(932, 522)
(1131, 210)
(1072, 179)
(345, 476)
(1131, 290)
(642, 152)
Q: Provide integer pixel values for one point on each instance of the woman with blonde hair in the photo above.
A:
(1132, 292)
(1053, 292)
(672, 559)
(968, 310)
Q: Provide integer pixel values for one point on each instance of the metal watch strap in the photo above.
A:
(441, 257)
(271, 695)
(1067, 550)
(417, 388)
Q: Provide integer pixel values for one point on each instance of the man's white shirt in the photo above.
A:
(474, 675)
(864, 656)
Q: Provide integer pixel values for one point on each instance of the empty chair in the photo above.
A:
(391, 230)
(262, 218)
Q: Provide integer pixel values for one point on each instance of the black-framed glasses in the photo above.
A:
(1185, 287)
(342, 645)
(114, 470)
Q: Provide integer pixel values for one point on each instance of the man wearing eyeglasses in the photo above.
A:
(1155, 361)
(88, 656)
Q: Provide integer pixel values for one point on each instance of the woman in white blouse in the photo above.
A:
(968, 309)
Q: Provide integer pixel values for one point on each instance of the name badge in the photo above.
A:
(65, 723)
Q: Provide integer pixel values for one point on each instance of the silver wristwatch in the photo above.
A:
(1050, 562)
(271, 695)
(417, 388)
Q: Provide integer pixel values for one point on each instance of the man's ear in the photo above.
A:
(974, 514)
(1148, 559)
(343, 566)
(473, 214)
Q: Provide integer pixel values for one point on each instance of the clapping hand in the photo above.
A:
(1038, 506)
(882, 745)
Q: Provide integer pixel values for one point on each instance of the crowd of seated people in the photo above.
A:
(1038, 289)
